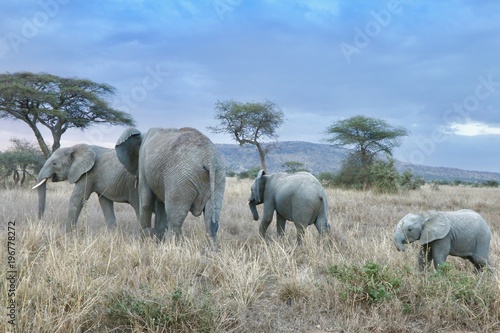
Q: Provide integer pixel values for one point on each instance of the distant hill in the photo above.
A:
(319, 158)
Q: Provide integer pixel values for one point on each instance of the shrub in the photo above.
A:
(250, 173)
(366, 283)
(384, 177)
(408, 181)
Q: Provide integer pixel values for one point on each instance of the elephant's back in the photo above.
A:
(303, 194)
(178, 159)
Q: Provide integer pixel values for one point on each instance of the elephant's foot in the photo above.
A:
(153, 233)
(148, 233)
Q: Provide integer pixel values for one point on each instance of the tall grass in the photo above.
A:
(99, 280)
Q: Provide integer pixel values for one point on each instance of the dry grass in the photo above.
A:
(98, 280)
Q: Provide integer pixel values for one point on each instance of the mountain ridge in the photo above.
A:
(318, 157)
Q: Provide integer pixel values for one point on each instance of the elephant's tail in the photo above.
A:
(216, 193)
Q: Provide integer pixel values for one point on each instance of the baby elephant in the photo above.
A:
(463, 233)
(295, 197)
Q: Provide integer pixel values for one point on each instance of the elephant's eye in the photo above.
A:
(409, 229)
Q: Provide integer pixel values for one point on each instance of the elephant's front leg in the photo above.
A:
(424, 257)
(79, 195)
(108, 211)
(439, 250)
(267, 217)
(280, 225)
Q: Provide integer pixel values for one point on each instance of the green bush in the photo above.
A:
(250, 173)
(408, 181)
(326, 178)
(368, 283)
(154, 313)
(383, 176)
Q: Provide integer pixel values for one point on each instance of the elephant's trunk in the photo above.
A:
(253, 208)
(399, 239)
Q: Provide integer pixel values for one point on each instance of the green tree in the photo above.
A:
(367, 138)
(249, 123)
(57, 103)
(294, 166)
(24, 159)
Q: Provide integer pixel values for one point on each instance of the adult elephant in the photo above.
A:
(297, 197)
(182, 168)
(92, 169)
(463, 233)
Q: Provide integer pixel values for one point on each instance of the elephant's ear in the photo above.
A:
(82, 160)
(435, 226)
(127, 149)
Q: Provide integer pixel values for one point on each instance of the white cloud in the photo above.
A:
(474, 129)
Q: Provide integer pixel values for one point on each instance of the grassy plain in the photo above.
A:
(99, 280)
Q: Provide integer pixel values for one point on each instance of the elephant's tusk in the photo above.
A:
(39, 184)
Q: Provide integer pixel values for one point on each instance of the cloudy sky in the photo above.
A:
(430, 66)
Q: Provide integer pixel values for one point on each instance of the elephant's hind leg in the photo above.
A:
(176, 214)
(479, 262)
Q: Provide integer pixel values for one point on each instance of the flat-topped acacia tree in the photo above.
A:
(58, 103)
(249, 123)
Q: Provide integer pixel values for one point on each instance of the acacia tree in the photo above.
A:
(22, 159)
(294, 167)
(57, 103)
(249, 123)
(366, 138)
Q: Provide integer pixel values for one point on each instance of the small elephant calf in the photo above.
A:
(297, 197)
(463, 233)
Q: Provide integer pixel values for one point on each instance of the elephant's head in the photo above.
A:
(257, 193)
(127, 149)
(425, 228)
(64, 164)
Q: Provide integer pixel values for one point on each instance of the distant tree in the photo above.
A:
(249, 123)
(57, 103)
(294, 166)
(24, 159)
(491, 183)
(367, 138)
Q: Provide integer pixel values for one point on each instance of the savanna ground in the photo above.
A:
(97, 280)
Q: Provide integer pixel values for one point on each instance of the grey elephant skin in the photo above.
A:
(463, 233)
(297, 197)
(182, 168)
(92, 169)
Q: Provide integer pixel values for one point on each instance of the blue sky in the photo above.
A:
(432, 67)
